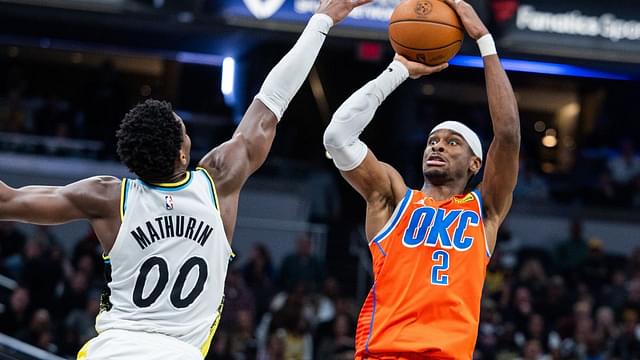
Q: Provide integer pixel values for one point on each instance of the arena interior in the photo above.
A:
(563, 282)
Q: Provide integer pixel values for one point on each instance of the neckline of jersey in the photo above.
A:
(171, 185)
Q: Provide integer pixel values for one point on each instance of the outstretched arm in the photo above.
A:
(501, 166)
(51, 205)
(234, 161)
(231, 163)
(378, 183)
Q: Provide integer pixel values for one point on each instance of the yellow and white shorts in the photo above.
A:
(135, 345)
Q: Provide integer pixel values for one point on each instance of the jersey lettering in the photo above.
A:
(433, 227)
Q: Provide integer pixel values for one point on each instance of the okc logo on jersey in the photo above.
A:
(431, 227)
(168, 202)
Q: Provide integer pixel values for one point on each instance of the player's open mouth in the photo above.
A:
(436, 160)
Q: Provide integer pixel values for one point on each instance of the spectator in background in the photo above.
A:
(627, 346)
(79, 326)
(293, 317)
(74, 295)
(555, 304)
(237, 297)
(615, 292)
(242, 340)
(276, 346)
(596, 269)
(624, 168)
(531, 186)
(633, 296)
(16, 316)
(302, 267)
(258, 274)
(12, 240)
(533, 351)
(39, 332)
(42, 268)
(339, 341)
(572, 252)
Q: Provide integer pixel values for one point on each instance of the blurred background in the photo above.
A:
(564, 281)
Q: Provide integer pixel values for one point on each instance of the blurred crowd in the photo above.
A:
(571, 302)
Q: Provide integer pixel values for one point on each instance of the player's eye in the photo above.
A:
(433, 142)
(453, 142)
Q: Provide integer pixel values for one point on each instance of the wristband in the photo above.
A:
(487, 45)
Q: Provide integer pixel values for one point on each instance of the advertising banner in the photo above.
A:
(373, 16)
(598, 30)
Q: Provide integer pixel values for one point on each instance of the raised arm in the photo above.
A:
(501, 166)
(378, 183)
(235, 160)
(231, 163)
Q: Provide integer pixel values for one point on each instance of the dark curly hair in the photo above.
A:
(149, 140)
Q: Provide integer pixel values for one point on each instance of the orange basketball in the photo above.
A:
(426, 31)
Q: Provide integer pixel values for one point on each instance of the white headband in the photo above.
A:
(467, 134)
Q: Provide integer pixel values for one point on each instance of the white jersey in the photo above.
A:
(169, 261)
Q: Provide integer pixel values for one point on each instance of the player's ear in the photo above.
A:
(475, 164)
(183, 158)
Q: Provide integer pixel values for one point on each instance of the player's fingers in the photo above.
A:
(400, 57)
(437, 68)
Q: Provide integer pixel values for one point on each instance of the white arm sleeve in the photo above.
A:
(348, 122)
(286, 78)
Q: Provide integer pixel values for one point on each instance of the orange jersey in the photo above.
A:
(429, 264)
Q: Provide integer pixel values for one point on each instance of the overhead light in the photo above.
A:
(539, 67)
(549, 141)
(228, 77)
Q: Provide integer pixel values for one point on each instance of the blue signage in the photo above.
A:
(371, 16)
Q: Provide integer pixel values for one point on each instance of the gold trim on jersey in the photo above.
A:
(174, 184)
(204, 349)
(84, 351)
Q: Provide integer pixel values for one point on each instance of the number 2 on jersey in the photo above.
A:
(438, 275)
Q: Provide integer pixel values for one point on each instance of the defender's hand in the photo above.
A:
(417, 70)
(470, 19)
(339, 9)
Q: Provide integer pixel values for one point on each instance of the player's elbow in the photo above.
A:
(509, 133)
(336, 136)
(331, 137)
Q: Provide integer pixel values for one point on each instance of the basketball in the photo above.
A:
(426, 31)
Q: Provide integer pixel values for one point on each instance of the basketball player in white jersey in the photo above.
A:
(166, 234)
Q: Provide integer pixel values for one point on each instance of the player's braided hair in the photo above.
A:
(149, 140)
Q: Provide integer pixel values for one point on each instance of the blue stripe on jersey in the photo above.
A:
(381, 249)
(211, 190)
(126, 193)
(396, 219)
(373, 313)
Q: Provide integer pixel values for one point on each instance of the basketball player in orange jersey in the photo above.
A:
(430, 247)
(167, 233)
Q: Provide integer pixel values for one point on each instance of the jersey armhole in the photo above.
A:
(124, 192)
(212, 187)
(394, 219)
(478, 197)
